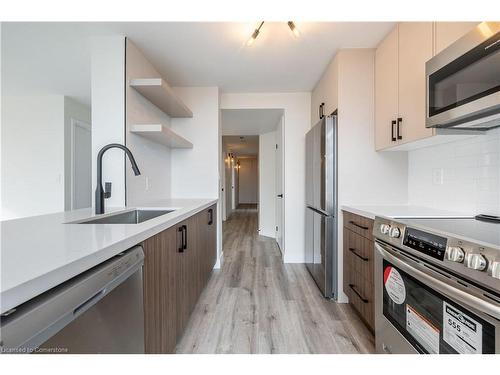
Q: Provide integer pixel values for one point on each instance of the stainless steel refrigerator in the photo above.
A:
(321, 205)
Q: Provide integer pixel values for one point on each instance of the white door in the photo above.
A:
(233, 185)
(81, 165)
(223, 186)
(280, 198)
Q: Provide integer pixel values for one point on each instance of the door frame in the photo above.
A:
(281, 150)
(223, 187)
(82, 124)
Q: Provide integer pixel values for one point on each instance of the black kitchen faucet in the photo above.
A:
(99, 192)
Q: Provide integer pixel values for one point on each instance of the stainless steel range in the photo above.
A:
(437, 286)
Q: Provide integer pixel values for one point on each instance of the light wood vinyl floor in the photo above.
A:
(257, 304)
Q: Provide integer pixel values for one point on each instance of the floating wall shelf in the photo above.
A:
(158, 92)
(161, 134)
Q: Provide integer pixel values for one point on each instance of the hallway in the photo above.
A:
(257, 304)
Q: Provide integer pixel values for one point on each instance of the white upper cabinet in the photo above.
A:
(445, 33)
(386, 90)
(400, 82)
(414, 49)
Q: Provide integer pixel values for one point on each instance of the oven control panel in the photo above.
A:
(426, 243)
(470, 260)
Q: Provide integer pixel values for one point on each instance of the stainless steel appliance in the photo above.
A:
(321, 205)
(99, 311)
(463, 81)
(437, 286)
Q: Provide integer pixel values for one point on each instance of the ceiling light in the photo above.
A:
(254, 35)
(294, 29)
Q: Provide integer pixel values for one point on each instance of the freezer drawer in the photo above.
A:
(320, 247)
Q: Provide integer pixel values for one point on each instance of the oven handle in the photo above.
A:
(440, 286)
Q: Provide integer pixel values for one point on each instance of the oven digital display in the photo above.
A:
(426, 243)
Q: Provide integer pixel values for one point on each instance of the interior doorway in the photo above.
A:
(253, 173)
(241, 177)
(279, 183)
(81, 165)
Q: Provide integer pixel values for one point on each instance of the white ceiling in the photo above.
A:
(242, 146)
(249, 121)
(55, 57)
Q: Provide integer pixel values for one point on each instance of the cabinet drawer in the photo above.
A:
(359, 224)
(361, 297)
(358, 251)
(358, 274)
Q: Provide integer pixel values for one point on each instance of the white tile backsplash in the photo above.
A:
(459, 176)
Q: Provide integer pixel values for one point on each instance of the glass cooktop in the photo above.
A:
(473, 230)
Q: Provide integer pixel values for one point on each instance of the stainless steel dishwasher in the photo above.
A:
(98, 311)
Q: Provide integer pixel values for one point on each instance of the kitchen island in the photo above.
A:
(41, 252)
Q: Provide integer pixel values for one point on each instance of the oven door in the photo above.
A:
(418, 310)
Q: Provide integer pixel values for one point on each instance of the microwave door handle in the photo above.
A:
(440, 286)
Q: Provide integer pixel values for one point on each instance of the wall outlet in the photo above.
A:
(437, 176)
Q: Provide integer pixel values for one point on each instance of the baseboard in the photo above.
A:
(267, 234)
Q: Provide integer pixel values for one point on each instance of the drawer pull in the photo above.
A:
(365, 259)
(353, 287)
(358, 225)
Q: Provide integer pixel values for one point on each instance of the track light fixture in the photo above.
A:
(254, 35)
(291, 25)
(294, 29)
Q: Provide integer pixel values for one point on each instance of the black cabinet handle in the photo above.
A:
(210, 216)
(280, 195)
(181, 231)
(321, 111)
(358, 225)
(352, 250)
(185, 237)
(393, 124)
(353, 287)
(400, 120)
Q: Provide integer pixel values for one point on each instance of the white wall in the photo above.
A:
(32, 155)
(297, 114)
(72, 111)
(470, 171)
(267, 184)
(152, 158)
(1, 148)
(108, 112)
(365, 176)
(249, 180)
(195, 172)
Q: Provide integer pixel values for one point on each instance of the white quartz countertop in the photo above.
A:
(402, 212)
(40, 252)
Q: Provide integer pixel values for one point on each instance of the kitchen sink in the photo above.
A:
(128, 217)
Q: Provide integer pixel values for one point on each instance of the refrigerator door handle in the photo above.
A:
(319, 211)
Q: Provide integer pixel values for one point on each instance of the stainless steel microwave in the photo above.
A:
(463, 82)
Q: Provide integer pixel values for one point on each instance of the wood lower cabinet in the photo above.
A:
(178, 263)
(160, 287)
(359, 266)
(359, 224)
